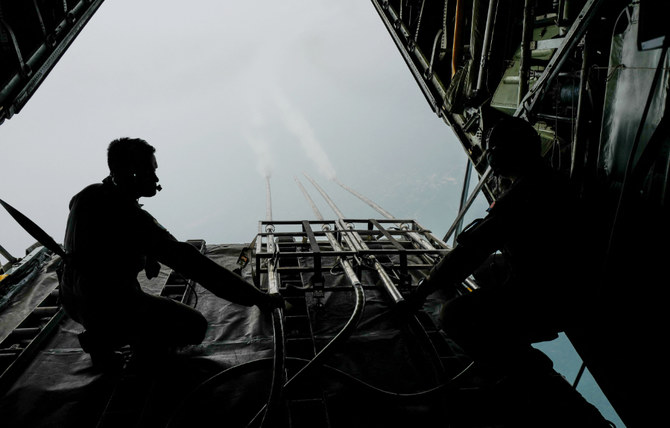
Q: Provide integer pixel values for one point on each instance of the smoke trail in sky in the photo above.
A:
(296, 122)
(261, 150)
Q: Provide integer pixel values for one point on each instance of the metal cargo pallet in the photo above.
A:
(296, 257)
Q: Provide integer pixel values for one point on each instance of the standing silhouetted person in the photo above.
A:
(530, 255)
(111, 239)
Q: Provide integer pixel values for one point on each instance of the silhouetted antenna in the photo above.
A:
(466, 206)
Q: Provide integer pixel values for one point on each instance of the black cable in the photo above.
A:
(279, 359)
(191, 285)
(261, 363)
(219, 377)
(424, 340)
(343, 334)
(278, 366)
(334, 269)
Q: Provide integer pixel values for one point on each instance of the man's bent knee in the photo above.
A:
(199, 328)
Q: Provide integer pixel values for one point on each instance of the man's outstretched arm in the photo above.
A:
(480, 239)
(454, 267)
(188, 261)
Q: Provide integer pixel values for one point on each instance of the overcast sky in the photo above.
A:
(228, 93)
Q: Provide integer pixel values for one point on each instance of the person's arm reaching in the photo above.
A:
(454, 267)
(188, 261)
(479, 239)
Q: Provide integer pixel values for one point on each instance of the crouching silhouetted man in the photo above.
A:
(531, 257)
(110, 239)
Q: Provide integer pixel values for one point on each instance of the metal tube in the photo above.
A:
(342, 335)
(584, 115)
(279, 343)
(325, 196)
(6, 255)
(38, 13)
(413, 235)
(389, 286)
(464, 196)
(580, 373)
(273, 283)
(376, 207)
(346, 236)
(346, 265)
(268, 199)
(432, 54)
(468, 204)
(390, 21)
(316, 211)
(493, 6)
(331, 238)
(526, 37)
(43, 59)
(458, 29)
(24, 333)
(45, 311)
(577, 30)
(357, 242)
(387, 282)
(352, 323)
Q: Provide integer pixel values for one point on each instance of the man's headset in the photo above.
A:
(134, 175)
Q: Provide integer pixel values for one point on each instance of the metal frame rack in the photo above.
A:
(361, 240)
(298, 258)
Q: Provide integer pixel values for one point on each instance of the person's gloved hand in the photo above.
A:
(409, 305)
(271, 301)
(414, 302)
(152, 268)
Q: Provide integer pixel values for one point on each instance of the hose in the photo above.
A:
(278, 366)
(261, 363)
(279, 339)
(343, 334)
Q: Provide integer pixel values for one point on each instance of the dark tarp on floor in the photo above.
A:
(60, 387)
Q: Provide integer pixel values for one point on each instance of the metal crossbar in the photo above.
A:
(358, 240)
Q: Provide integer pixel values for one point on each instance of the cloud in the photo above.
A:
(261, 149)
